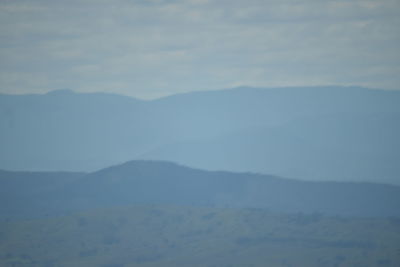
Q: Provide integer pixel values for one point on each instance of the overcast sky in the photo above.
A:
(152, 48)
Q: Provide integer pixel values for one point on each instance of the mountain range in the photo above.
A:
(308, 133)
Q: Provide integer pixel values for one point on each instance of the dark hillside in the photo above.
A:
(154, 182)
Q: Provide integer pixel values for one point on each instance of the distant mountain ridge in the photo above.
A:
(155, 182)
(310, 133)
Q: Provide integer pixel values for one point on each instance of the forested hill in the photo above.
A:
(155, 182)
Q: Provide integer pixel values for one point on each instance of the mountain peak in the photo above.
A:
(143, 165)
(61, 92)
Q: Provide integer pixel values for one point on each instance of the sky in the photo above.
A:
(153, 48)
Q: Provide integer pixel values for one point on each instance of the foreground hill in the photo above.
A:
(152, 213)
(318, 133)
(159, 235)
(153, 182)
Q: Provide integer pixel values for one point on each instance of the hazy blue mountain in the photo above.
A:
(319, 133)
(352, 147)
(64, 130)
(153, 182)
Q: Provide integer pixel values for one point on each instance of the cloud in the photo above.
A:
(154, 48)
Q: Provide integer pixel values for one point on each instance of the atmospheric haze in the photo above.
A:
(199, 133)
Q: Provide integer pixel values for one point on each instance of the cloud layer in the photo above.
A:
(153, 48)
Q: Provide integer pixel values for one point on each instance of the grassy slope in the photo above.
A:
(187, 236)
